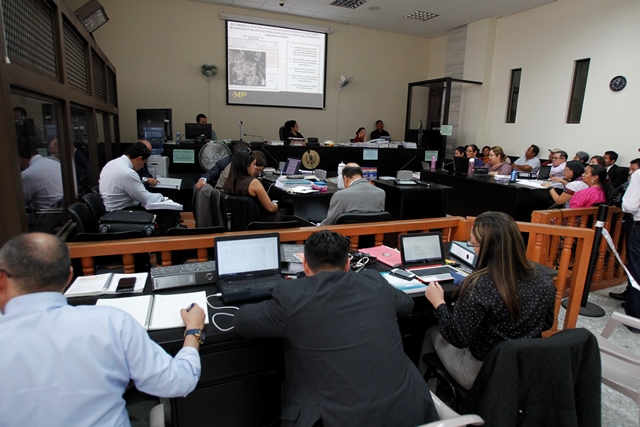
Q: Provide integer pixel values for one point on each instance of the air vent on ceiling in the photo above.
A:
(349, 4)
(421, 16)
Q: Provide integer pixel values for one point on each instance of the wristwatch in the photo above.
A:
(198, 333)
(144, 179)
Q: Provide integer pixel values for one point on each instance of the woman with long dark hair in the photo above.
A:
(599, 188)
(506, 297)
(242, 182)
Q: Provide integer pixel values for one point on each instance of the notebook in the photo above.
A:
(248, 266)
(422, 254)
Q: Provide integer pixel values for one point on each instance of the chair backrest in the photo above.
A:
(272, 225)
(240, 211)
(96, 206)
(281, 132)
(181, 231)
(82, 216)
(360, 217)
(206, 205)
(520, 377)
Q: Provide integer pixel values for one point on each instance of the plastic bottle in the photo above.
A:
(433, 163)
(340, 180)
(472, 165)
(514, 175)
(177, 136)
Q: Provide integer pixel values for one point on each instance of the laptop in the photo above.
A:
(544, 172)
(248, 266)
(422, 254)
(460, 165)
(292, 166)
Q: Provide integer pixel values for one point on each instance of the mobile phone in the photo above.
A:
(403, 274)
(126, 284)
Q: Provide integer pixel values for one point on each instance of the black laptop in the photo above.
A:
(544, 173)
(248, 266)
(460, 165)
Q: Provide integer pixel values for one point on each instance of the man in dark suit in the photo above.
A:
(344, 362)
(617, 175)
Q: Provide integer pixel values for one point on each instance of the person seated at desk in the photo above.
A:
(291, 131)
(41, 178)
(212, 175)
(472, 152)
(460, 151)
(485, 154)
(379, 131)
(66, 366)
(597, 160)
(121, 187)
(599, 188)
(572, 182)
(261, 163)
(344, 362)
(582, 156)
(202, 119)
(558, 162)
(617, 175)
(242, 182)
(529, 162)
(359, 195)
(506, 297)
(498, 162)
(361, 135)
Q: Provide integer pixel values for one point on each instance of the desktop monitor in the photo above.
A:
(292, 167)
(197, 131)
(154, 123)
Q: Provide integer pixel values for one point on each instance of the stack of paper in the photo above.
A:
(103, 284)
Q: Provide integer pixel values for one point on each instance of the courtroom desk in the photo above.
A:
(185, 194)
(311, 207)
(473, 196)
(414, 201)
(389, 161)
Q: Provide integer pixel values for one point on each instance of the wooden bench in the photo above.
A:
(452, 228)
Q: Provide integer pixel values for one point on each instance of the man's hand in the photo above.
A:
(435, 294)
(193, 317)
(201, 183)
(152, 181)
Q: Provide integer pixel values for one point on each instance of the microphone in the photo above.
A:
(257, 136)
(264, 150)
(240, 126)
(408, 163)
(444, 164)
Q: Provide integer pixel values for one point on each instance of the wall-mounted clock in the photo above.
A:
(617, 83)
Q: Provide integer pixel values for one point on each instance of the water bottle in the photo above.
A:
(472, 165)
(514, 175)
(177, 136)
(433, 163)
(340, 180)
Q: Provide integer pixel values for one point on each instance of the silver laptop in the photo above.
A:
(422, 254)
(248, 266)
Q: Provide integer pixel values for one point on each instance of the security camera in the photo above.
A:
(281, 2)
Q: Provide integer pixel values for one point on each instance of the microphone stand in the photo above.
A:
(257, 136)
(408, 163)
(264, 150)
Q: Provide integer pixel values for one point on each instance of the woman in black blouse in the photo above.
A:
(506, 297)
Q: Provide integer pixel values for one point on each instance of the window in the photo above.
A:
(514, 91)
(578, 90)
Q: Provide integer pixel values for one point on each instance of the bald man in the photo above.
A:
(358, 196)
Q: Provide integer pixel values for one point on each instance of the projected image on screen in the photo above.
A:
(247, 67)
(275, 66)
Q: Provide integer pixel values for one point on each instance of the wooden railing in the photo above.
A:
(452, 228)
(606, 267)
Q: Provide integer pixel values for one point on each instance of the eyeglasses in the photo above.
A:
(556, 158)
(473, 244)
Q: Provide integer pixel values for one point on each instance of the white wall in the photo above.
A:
(158, 46)
(545, 42)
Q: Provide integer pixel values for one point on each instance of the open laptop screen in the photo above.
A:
(247, 254)
(421, 248)
(292, 167)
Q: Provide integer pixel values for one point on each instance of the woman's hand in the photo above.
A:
(435, 294)
(546, 185)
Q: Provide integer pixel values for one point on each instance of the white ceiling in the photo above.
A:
(388, 15)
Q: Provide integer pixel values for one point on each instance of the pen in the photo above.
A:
(191, 306)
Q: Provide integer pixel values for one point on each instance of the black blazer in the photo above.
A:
(618, 175)
(344, 361)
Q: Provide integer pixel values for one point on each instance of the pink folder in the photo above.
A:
(385, 255)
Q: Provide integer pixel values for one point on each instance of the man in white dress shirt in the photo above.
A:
(558, 162)
(41, 178)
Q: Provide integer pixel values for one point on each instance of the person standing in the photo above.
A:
(631, 205)
(344, 361)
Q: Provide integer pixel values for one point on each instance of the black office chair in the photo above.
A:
(84, 219)
(281, 132)
(365, 241)
(95, 204)
(191, 255)
(240, 211)
(272, 225)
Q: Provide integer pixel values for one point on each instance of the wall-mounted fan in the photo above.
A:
(344, 82)
(211, 152)
(209, 70)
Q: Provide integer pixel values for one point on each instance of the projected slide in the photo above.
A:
(274, 66)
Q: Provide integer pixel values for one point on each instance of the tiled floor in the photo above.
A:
(617, 409)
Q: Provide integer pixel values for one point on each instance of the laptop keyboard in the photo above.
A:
(432, 271)
(238, 286)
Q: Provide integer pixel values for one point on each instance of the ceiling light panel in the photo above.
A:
(421, 16)
(349, 4)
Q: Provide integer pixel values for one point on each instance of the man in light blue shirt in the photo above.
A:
(69, 366)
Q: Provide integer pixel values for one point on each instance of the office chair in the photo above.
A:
(365, 241)
(620, 367)
(206, 207)
(272, 225)
(84, 219)
(191, 255)
(281, 132)
(95, 204)
(240, 211)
